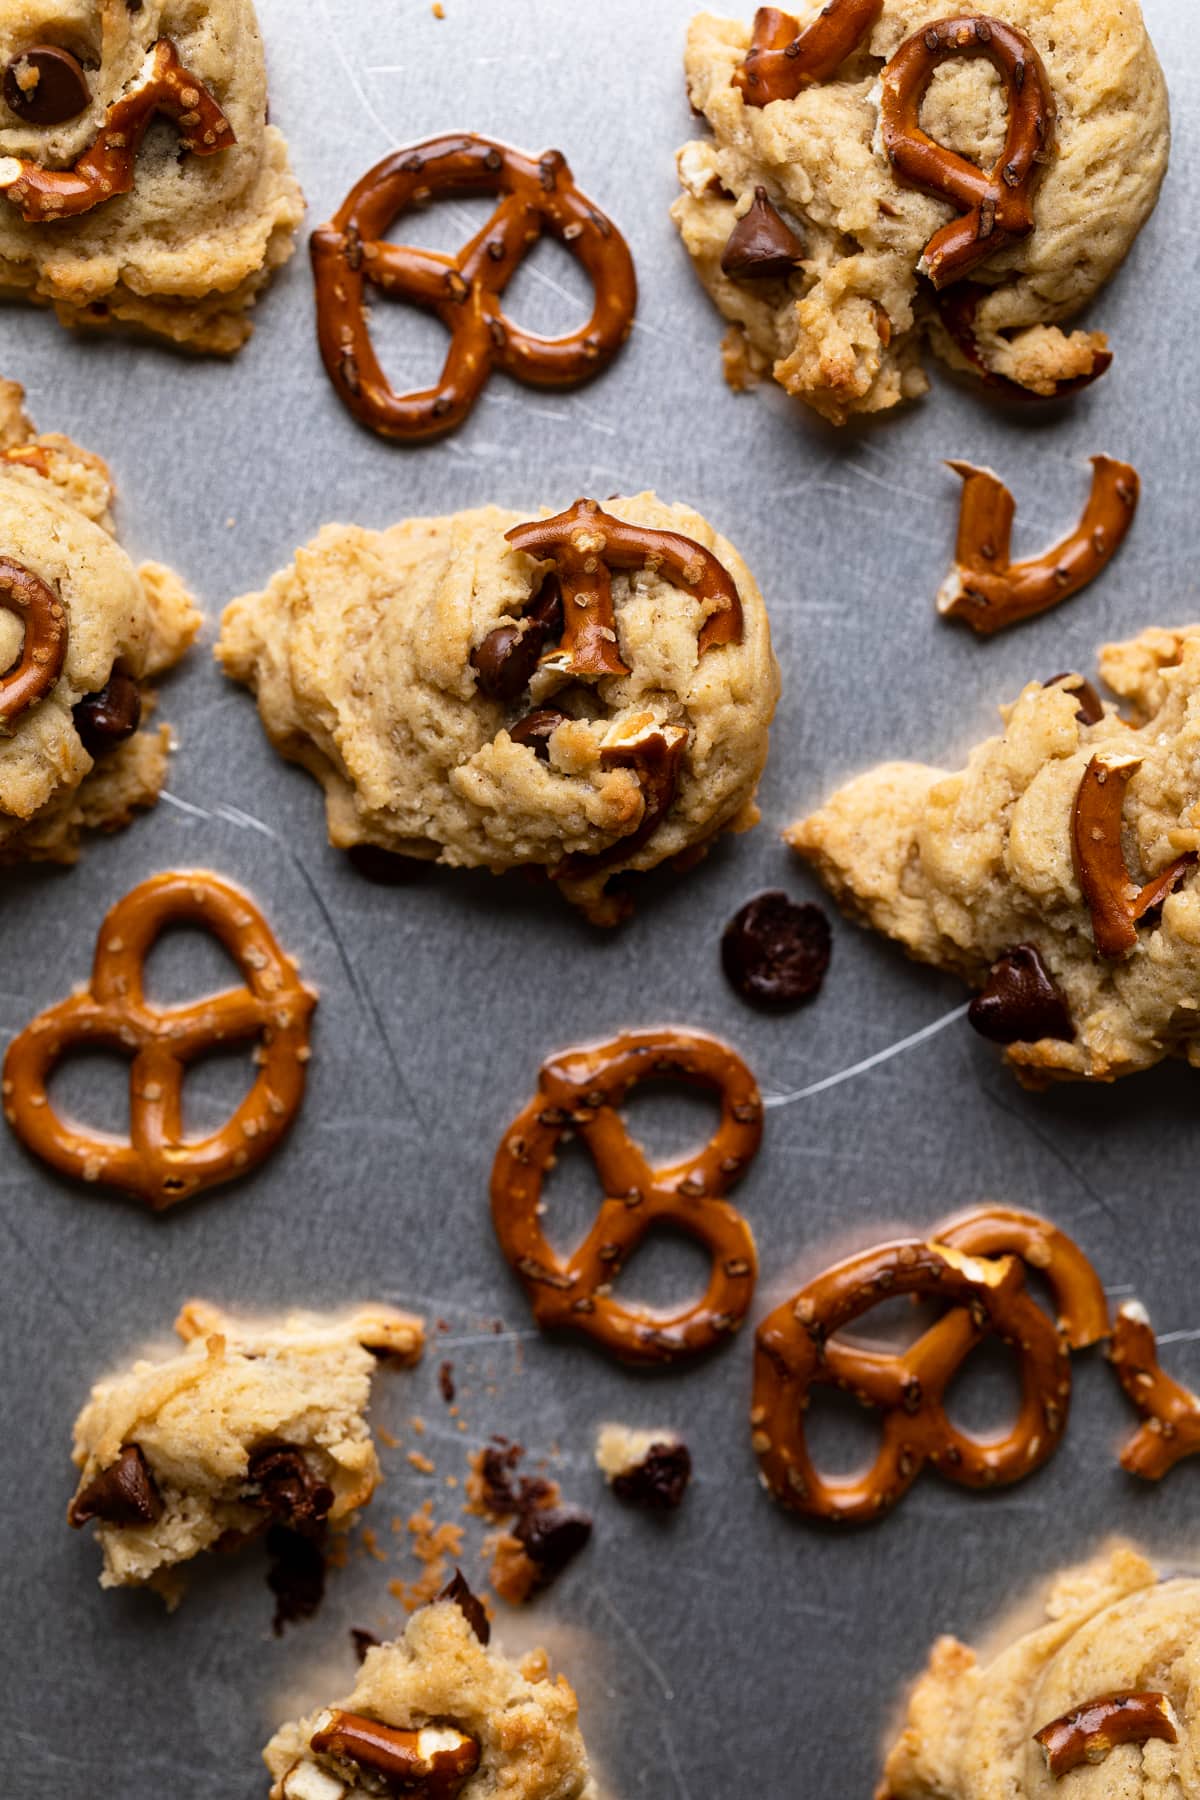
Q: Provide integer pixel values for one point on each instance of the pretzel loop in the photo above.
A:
(1078, 1292)
(158, 1163)
(782, 60)
(164, 86)
(44, 650)
(797, 1351)
(996, 204)
(537, 196)
(580, 1091)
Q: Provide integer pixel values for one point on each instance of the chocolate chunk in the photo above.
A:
(506, 660)
(775, 952)
(469, 1604)
(122, 1494)
(762, 245)
(659, 1482)
(363, 1641)
(446, 1383)
(1020, 1002)
(46, 86)
(536, 729)
(552, 1536)
(1091, 711)
(287, 1488)
(108, 717)
(296, 1576)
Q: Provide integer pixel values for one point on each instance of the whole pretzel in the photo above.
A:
(996, 205)
(585, 545)
(1171, 1412)
(464, 291)
(782, 59)
(580, 1091)
(44, 651)
(989, 591)
(1077, 1289)
(1113, 898)
(157, 1163)
(797, 1350)
(162, 86)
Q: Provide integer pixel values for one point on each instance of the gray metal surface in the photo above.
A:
(733, 1650)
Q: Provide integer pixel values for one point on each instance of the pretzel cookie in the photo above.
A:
(578, 694)
(882, 172)
(172, 230)
(82, 635)
(1056, 873)
(1097, 1700)
(253, 1423)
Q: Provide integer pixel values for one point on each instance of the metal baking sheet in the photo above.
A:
(732, 1649)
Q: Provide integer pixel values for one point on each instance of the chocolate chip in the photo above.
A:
(296, 1576)
(776, 952)
(46, 86)
(507, 658)
(363, 1641)
(107, 718)
(1020, 1002)
(762, 245)
(446, 1382)
(469, 1605)
(552, 1536)
(287, 1488)
(536, 729)
(659, 1482)
(495, 1473)
(122, 1494)
(1091, 710)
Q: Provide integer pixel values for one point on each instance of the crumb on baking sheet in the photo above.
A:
(437, 1547)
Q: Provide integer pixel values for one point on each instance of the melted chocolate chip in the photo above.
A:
(1091, 710)
(1020, 1002)
(469, 1605)
(287, 1488)
(296, 1576)
(506, 660)
(552, 1536)
(776, 952)
(46, 86)
(496, 1465)
(536, 729)
(363, 1641)
(659, 1482)
(762, 245)
(122, 1494)
(107, 718)
(446, 1383)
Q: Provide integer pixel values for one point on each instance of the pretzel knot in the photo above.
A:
(782, 59)
(464, 291)
(157, 1163)
(797, 1350)
(163, 85)
(580, 1091)
(44, 650)
(997, 204)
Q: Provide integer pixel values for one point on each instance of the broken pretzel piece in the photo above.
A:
(988, 590)
(782, 59)
(1115, 901)
(432, 1761)
(1091, 1731)
(1171, 1412)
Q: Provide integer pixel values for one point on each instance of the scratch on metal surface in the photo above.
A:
(871, 1062)
(70, 1307)
(634, 1641)
(351, 76)
(1060, 1157)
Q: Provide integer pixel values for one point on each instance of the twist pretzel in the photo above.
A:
(464, 291)
(1113, 898)
(1171, 1412)
(1077, 1289)
(782, 59)
(163, 86)
(157, 1163)
(580, 1091)
(44, 651)
(585, 545)
(997, 204)
(989, 591)
(797, 1350)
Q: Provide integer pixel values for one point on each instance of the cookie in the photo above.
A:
(464, 700)
(1101, 1689)
(439, 1706)
(814, 246)
(1055, 872)
(252, 1424)
(176, 234)
(91, 631)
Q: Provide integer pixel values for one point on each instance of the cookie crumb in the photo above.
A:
(647, 1469)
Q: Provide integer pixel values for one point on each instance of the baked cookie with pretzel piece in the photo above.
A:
(440, 1712)
(1056, 873)
(254, 1423)
(1096, 1700)
(83, 633)
(581, 695)
(140, 183)
(890, 171)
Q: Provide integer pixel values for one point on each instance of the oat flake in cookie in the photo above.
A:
(845, 330)
(140, 184)
(589, 699)
(1057, 871)
(82, 635)
(253, 1425)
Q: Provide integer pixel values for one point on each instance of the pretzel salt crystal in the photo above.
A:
(157, 1163)
(996, 205)
(44, 650)
(1113, 898)
(1171, 1412)
(1077, 1289)
(782, 59)
(163, 86)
